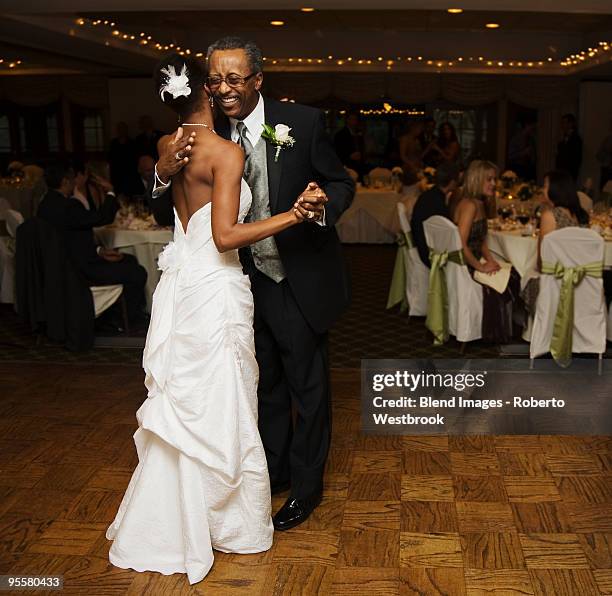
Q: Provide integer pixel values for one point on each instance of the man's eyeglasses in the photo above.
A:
(232, 80)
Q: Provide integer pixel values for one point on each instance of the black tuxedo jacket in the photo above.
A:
(311, 254)
(76, 224)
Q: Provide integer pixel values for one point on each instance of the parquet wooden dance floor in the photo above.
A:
(401, 515)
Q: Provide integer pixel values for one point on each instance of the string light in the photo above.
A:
(581, 59)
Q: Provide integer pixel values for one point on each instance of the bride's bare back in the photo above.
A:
(193, 185)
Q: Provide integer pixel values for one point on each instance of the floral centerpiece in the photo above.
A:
(426, 178)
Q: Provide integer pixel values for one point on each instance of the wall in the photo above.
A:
(594, 124)
(131, 98)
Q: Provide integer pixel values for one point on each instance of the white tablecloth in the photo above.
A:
(522, 251)
(145, 245)
(372, 218)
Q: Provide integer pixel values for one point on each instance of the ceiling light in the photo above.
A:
(307, 9)
(454, 10)
(492, 25)
(277, 23)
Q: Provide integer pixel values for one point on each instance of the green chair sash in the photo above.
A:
(437, 296)
(563, 330)
(397, 290)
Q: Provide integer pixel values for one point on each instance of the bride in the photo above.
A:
(201, 482)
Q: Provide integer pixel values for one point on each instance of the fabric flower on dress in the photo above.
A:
(171, 259)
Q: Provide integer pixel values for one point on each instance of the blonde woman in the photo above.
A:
(471, 219)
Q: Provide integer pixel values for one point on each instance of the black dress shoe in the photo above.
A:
(295, 511)
(281, 487)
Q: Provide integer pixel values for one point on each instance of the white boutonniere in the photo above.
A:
(279, 137)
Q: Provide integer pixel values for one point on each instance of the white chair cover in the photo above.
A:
(464, 294)
(4, 207)
(586, 202)
(571, 246)
(104, 297)
(417, 275)
(7, 270)
(13, 220)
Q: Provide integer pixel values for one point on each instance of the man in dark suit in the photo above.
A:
(299, 284)
(99, 266)
(349, 143)
(433, 202)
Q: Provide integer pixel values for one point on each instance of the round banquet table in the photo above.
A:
(522, 251)
(372, 217)
(145, 245)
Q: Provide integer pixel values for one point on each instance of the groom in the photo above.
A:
(299, 284)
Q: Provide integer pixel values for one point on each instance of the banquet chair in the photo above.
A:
(570, 310)
(586, 202)
(13, 220)
(7, 257)
(415, 274)
(463, 295)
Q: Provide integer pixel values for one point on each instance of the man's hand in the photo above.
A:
(111, 255)
(175, 155)
(311, 203)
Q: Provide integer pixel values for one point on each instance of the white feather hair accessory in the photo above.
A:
(176, 84)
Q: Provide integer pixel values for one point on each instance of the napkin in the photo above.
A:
(498, 280)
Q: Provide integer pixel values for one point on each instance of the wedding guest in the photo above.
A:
(569, 149)
(447, 144)
(146, 141)
(522, 151)
(433, 202)
(428, 139)
(349, 143)
(604, 157)
(98, 265)
(410, 151)
(122, 159)
(561, 210)
(90, 194)
(471, 219)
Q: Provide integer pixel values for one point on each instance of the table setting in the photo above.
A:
(135, 232)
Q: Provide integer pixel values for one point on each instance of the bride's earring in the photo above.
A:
(211, 100)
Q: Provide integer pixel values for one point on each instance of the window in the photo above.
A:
(23, 143)
(5, 134)
(93, 132)
(53, 143)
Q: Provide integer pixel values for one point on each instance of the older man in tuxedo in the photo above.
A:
(298, 279)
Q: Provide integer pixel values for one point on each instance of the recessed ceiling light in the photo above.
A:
(492, 25)
(307, 9)
(277, 23)
(454, 10)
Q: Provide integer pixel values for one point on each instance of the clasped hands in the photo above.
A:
(310, 205)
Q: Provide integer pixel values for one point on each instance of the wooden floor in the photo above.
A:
(401, 515)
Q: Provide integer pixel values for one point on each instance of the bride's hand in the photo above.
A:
(300, 213)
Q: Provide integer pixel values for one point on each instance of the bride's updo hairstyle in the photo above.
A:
(179, 82)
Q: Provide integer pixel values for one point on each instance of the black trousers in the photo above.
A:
(127, 272)
(293, 371)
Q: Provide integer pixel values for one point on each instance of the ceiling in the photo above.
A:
(391, 39)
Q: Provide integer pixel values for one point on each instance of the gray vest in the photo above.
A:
(265, 253)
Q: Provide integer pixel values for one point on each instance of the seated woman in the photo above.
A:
(470, 217)
(561, 210)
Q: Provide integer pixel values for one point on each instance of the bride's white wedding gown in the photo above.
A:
(201, 481)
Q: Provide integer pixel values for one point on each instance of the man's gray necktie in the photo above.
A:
(265, 254)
